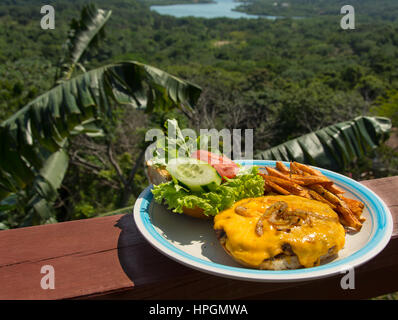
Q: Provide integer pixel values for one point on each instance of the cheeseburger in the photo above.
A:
(280, 232)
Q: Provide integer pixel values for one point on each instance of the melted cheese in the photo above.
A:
(308, 242)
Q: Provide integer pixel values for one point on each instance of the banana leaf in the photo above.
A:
(335, 146)
(83, 35)
(39, 129)
(42, 194)
(37, 200)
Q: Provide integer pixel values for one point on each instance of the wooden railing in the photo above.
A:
(108, 258)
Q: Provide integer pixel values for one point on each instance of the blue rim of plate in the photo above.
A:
(381, 220)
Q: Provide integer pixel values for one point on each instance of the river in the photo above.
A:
(221, 8)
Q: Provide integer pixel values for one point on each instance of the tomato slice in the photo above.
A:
(224, 166)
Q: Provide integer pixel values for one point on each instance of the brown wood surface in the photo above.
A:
(107, 258)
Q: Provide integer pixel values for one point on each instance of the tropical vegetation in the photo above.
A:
(75, 102)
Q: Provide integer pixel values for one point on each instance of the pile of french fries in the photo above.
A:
(305, 181)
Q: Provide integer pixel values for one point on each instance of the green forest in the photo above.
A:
(365, 9)
(285, 78)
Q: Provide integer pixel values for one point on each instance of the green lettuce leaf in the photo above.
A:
(168, 148)
(179, 145)
(223, 197)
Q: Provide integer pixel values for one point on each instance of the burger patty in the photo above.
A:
(283, 261)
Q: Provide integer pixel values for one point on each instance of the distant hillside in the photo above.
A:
(383, 9)
(169, 2)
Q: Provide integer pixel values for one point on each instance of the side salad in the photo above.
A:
(201, 177)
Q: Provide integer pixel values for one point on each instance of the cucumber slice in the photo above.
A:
(194, 174)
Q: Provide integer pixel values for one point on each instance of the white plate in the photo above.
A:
(193, 243)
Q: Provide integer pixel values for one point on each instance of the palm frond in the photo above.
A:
(83, 35)
(39, 129)
(335, 146)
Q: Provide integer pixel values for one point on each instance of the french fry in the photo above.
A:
(267, 188)
(355, 206)
(341, 207)
(278, 174)
(318, 197)
(273, 172)
(326, 194)
(295, 176)
(357, 212)
(305, 193)
(354, 202)
(350, 219)
(330, 186)
(362, 219)
(335, 189)
(295, 170)
(307, 169)
(305, 181)
(282, 168)
(286, 184)
(308, 180)
(302, 193)
(277, 188)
